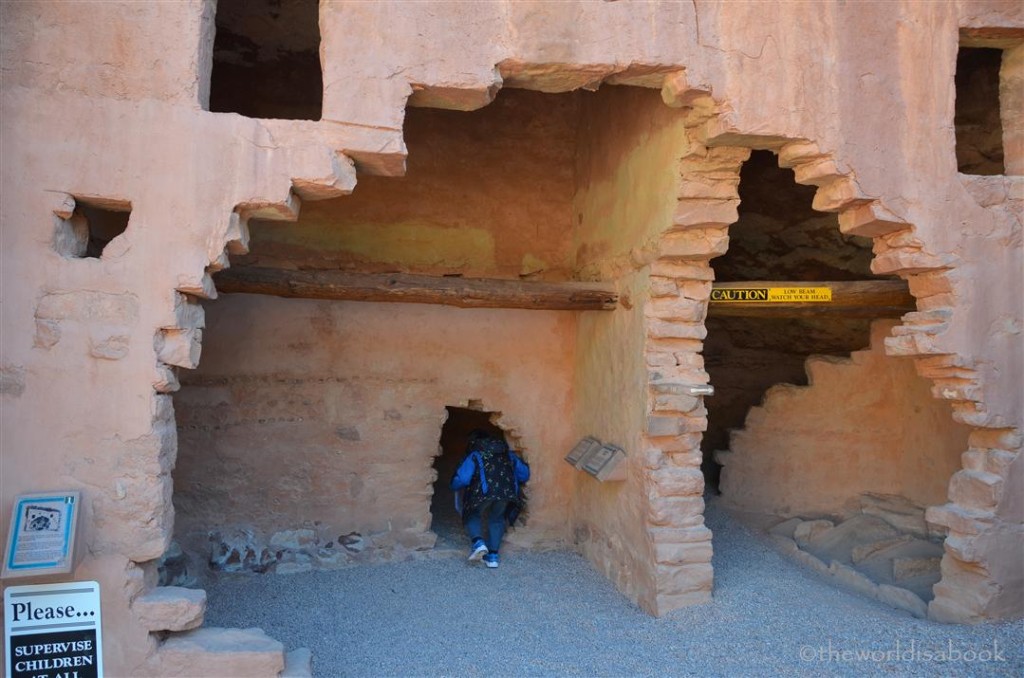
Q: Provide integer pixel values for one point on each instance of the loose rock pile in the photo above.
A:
(886, 551)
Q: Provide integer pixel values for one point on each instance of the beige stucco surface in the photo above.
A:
(867, 424)
(321, 415)
(105, 101)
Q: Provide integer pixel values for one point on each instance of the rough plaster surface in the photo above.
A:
(866, 424)
(119, 117)
(326, 416)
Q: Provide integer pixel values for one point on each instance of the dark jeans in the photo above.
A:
(495, 523)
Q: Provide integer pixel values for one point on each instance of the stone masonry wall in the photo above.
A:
(860, 102)
(866, 424)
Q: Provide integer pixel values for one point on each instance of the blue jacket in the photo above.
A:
(473, 462)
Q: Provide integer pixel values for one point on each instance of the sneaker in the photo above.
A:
(478, 550)
(491, 560)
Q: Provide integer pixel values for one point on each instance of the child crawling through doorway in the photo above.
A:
(488, 481)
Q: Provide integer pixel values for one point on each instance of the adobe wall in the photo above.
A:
(867, 424)
(485, 193)
(627, 176)
(120, 116)
(327, 415)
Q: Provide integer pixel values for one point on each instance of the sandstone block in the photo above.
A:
(975, 489)
(165, 380)
(675, 308)
(677, 535)
(683, 554)
(659, 329)
(697, 290)
(964, 547)
(226, 653)
(201, 286)
(663, 287)
(930, 283)
(653, 458)
(785, 544)
(695, 186)
(677, 403)
(696, 213)
(659, 426)
(870, 221)
(809, 529)
(179, 347)
(811, 561)
(170, 608)
(960, 519)
(689, 456)
(907, 568)
(999, 438)
(676, 91)
(799, 152)
(901, 513)
(906, 262)
(902, 599)
(694, 244)
(678, 482)
(188, 313)
(838, 195)
(682, 270)
(816, 172)
(676, 579)
(668, 511)
(949, 389)
(660, 358)
(863, 552)
(852, 578)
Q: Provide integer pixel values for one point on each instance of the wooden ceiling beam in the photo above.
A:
(418, 289)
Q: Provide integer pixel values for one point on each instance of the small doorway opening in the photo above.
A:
(461, 421)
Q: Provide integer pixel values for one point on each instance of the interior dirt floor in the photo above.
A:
(549, 613)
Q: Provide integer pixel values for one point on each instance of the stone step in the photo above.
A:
(226, 653)
(170, 608)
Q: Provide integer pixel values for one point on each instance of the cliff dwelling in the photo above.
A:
(765, 261)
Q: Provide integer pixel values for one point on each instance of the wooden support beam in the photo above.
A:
(780, 299)
(418, 289)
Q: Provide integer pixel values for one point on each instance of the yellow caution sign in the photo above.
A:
(771, 295)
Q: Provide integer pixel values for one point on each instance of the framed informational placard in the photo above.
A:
(41, 540)
(53, 631)
(583, 448)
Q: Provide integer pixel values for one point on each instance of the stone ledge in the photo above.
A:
(170, 608)
(226, 653)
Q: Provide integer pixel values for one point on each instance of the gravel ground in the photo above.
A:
(552, 614)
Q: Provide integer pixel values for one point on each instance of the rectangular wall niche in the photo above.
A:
(266, 59)
(979, 129)
(91, 227)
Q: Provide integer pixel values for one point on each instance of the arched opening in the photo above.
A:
(835, 445)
